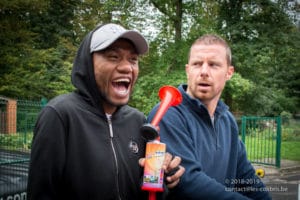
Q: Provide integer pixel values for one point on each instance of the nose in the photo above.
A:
(125, 66)
(204, 70)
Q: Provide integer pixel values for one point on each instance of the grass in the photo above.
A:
(266, 148)
(290, 150)
(261, 144)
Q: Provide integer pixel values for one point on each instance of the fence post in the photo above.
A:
(243, 129)
(11, 116)
(44, 101)
(278, 141)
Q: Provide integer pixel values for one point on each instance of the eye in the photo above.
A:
(197, 64)
(113, 56)
(133, 60)
(214, 64)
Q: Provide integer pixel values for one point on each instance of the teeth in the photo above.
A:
(122, 80)
(121, 86)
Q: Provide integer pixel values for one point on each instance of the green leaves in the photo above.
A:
(145, 94)
(39, 40)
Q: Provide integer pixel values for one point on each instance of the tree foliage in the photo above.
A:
(39, 40)
(263, 37)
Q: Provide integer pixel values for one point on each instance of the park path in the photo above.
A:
(283, 183)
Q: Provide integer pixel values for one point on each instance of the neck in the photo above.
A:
(211, 105)
(108, 108)
(211, 108)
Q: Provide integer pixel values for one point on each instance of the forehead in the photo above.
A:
(122, 44)
(208, 48)
(214, 50)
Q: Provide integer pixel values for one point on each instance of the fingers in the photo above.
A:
(173, 170)
(173, 162)
(142, 162)
(175, 178)
(167, 162)
(173, 184)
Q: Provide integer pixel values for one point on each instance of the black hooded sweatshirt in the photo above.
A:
(75, 154)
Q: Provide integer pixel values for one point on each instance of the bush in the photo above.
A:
(18, 141)
(285, 117)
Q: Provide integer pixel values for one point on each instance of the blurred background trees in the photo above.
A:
(39, 40)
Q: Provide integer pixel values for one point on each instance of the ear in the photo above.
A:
(187, 68)
(229, 73)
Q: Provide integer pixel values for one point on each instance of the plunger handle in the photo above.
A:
(152, 196)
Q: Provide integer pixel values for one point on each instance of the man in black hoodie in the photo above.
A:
(87, 143)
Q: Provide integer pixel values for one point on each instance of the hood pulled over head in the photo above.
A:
(100, 38)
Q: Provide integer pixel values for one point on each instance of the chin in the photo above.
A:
(121, 102)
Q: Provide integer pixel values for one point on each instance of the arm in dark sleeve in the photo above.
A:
(194, 184)
(47, 157)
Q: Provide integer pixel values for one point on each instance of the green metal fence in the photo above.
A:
(17, 120)
(262, 138)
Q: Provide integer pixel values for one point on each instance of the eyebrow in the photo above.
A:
(117, 49)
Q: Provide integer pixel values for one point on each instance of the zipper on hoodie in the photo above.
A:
(111, 134)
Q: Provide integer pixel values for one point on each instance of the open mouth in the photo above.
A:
(204, 84)
(204, 87)
(121, 86)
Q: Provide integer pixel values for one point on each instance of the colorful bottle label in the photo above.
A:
(153, 173)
